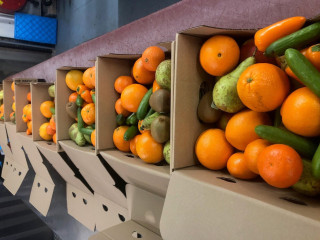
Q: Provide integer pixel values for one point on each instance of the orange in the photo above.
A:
(301, 113)
(280, 165)
(212, 149)
(13, 106)
(132, 95)
(219, 55)
(93, 138)
(73, 79)
(12, 86)
(88, 113)
(89, 77)
(152, 57)
(133, 145)
(28, 132)
(313, 55)
(237, 167)
(29, 96)
(29, 125)
(73, 97)
(52, 123)
(27, 113)
(54, 138)
(148, 149)
(118, 140)
(50, 131)
(45, 108)
(155, 86)
(240, 128)
(2, 108)
(139, 126)
(120, 109)
(252, 152)
(141, 74)
(122, 82)
(262, 87)
(43, 132)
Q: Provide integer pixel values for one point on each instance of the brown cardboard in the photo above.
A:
(15, 177)
(7, 99)
(145, 210)
(21, 92)
(4, 141)
(6, 168)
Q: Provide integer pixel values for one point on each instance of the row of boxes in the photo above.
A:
(181, 200)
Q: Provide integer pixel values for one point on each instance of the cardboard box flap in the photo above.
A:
(7, 99)
(132, 57)
(206, 31)
(16, 146)
(99, 236)
(61, 166)
(127, 231)
(108, 69)
(21, 91)
(166, 45)
(7, 165)
(209, 200)
(172, 103)
(108, 213)
(68, 68)
(39, 94)
(35, 157)
(41, 194)
(145, 208)
(15, 177)
(81, 206)
(133, 170)
(26, 80)
(4, 141)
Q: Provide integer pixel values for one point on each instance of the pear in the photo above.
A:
(225, 95)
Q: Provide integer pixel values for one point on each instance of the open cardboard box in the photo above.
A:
(132, 169)
(213, 203)
(145, 210)
(89, 164)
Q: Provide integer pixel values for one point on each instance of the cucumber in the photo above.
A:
(304, 70)
(86, 131)
(93, 125)
(53, 110)
(146, 124)
(120, 119)
(131, 132)
(132, 119)
(297, 39)
(80, 120)
(150, 112)
(315, 164)
(79, 101)
(276, 135)
(94, 98)
(144, 105)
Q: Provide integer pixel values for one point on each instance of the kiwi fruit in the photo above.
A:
(160, 129)
(160, 101)
(206, 113)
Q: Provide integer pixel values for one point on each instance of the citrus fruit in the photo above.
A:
(237, 167)
(148, 149)
(73, 97)
(93, 138)
(45, 108)
(141, 74)
(313, 55)
(73, 79)
(120, 109)
(133, 145)
(122, 82)
(155, 86)
(132, 95)
(88, 113)
(152, 57)
(43, 132)
(89, 77)
(212, 149)
(118, 139)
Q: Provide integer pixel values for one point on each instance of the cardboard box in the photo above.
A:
(132, 169)
(7, 99)
(213, 203)
(145, 210)
(88, 163)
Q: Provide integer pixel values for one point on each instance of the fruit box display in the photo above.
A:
(251, 107)
(127, 110)
(8, 101)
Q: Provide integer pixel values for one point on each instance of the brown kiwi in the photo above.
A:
(160, 101)
(160, 129)
(71, 108)
(206, 113)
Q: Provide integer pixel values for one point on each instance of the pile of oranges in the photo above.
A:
(132, 90)
(13, 114)
(27, 114)
(47, 130)
(269, 90)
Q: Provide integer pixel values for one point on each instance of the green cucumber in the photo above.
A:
(80, 120)
(93, 125)
(297, 39)
(53, 110)
(94, 98)
(276, 135)
(315, 164)
(86, 131)
(79, 101)
(132, 119)
(131, 132)
(150, 112)
(144, 105)
(304, 70)
(120, 119)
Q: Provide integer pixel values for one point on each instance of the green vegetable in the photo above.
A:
(76, 135)
(297, 39)
(93, 125)
(277, 118)
(87, 133)
(144, 105)
(120, 119)
(53, 110)
(80, 120)
(79, 101)
(146, 124)
(131, 132)
(132, 119)
(316, 164)
(52, 91)
(304, 70)
(94, 98)
(276, 135)
(150, 112)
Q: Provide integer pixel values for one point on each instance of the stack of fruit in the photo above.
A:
(27, 114)
(144, 106)
(1, 106)
(47, 130)
(81, 106)
(250, 97)
(13, 113)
